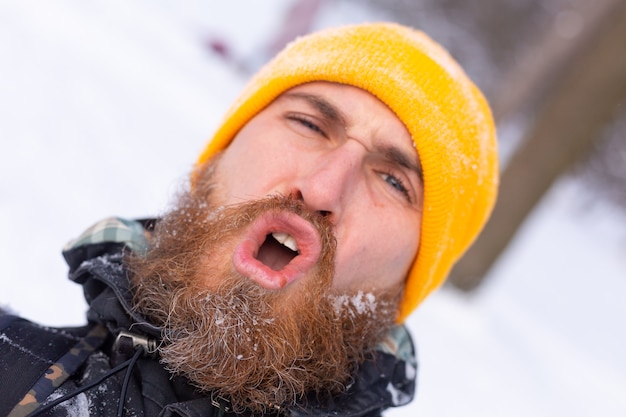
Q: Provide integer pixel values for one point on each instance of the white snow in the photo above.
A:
(362, 303)
(105, 104)
(77, 406)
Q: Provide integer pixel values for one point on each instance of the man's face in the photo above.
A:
(328, 168)
(344, 154)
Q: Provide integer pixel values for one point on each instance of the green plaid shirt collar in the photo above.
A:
(113, 229)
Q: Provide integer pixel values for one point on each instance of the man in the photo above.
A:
(343, 184)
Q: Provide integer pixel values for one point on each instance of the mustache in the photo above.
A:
(239, 215)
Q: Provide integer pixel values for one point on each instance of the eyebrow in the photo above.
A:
(333, 114)
(327, 109)
(400, 157)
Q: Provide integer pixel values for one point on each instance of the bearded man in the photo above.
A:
(341, 187)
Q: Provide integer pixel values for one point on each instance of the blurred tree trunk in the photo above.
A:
(576, 87)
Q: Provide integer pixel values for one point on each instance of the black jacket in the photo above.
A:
(85, 355)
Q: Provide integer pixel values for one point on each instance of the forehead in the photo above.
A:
(344, 97)
(360, 114)
(351, 106)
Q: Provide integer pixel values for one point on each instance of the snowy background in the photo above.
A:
(104, 106)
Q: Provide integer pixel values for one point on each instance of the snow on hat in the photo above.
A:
(445, 113)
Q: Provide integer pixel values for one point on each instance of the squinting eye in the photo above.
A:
(396, 184)
(310, 125)
(307, 123)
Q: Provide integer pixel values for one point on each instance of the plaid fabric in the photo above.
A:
(113, 229)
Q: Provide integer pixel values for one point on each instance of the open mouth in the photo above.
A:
(277, 249)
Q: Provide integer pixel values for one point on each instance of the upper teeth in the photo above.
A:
(286, 239)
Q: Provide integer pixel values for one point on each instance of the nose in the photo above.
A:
(327, 182)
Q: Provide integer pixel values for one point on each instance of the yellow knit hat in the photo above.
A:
(447, 116)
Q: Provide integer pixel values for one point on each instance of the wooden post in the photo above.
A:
(579, 101)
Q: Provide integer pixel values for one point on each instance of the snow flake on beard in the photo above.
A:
(361, 303)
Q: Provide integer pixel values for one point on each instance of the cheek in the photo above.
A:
(248, 171)
(379, 255)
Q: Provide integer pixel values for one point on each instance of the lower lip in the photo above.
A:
(309, 245)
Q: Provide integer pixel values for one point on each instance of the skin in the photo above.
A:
(346, 155)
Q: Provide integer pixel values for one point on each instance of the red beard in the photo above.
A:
(258, 348)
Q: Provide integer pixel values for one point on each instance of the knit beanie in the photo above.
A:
(445, 113)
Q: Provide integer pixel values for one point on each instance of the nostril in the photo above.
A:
(297, 194)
